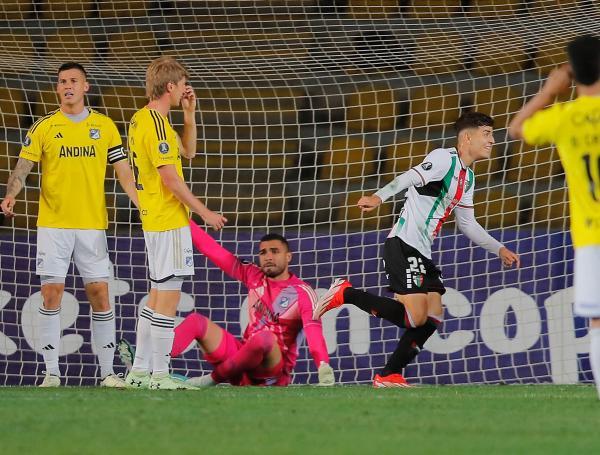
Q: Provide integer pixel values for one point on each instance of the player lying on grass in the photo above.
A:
(279, 305)
(575, 129)
(443, 183)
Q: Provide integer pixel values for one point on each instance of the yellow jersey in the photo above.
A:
(73, 158)
(154, 143)
(575, 129)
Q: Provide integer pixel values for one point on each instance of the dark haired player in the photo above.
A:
(73, 145)
(575, 129)
(441, 184)
(279, 306)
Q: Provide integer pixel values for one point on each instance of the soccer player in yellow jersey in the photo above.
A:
(165, 201)
(73, 145)
(575, 129)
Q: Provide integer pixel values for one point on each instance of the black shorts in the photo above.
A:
(408, 271)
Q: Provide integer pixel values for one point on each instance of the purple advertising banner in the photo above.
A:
(501, 326)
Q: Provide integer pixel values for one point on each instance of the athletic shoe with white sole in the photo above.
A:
(114, 381)
(50, 380)
(136, 380)
(202, 381)
(166, 382)
(391, 380)
(333, 298)
(126, 353)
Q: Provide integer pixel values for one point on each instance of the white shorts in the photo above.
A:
(87, 247)
(170, 253)
(587, 281)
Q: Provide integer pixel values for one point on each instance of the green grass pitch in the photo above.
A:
(536, 419)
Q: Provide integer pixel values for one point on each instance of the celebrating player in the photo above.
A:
(73, 144)
(155, 151)
(575, 129)
(279, 306)
(441, 184)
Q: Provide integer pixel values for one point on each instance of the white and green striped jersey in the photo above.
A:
(435, 187)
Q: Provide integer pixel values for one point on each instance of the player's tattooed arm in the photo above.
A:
(16, 181)
(15, 184)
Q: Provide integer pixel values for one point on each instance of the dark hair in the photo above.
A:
(472, 120)
(71, 66)
(281, 238)
(584, 57)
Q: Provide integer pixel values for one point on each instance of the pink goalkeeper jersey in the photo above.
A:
(282, 306)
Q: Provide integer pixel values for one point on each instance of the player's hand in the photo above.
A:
(326, 377)
(214, 220)
(508, 257)
(188, 100)
(368, 203)
(559, 80)
(8, 206)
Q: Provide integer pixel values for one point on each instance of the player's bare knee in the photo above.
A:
(52, 296)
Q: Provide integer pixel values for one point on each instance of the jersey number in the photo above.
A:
(416, 265)
(136, 172)
(593, 182)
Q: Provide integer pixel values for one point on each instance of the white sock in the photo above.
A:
(104, 339)
(143, 342)
(49, 324)
(595, 356)
(162, 342)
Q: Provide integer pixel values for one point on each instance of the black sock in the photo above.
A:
(382, 307)
(409, 346)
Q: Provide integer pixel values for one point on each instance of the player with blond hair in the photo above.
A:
(574, 127)
(73, 145)
(165, 204)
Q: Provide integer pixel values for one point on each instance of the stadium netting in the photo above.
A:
(304, 106)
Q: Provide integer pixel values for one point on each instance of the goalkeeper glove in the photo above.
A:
(326, 377)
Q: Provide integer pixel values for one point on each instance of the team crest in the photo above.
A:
(94, 133)
(163, 148)
(27, 141)
(189, 261)
(285, 302)
(418, 280)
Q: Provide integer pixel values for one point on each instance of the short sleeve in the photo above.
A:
(160, 151)
(116, 152)
(435, 166)
(542, 128)
(466, 201)
(32, 144)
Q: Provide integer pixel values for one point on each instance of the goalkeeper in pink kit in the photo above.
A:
(279, 304)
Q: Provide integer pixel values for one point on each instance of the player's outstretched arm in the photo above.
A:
(190, 132)
(468, 225)
(559, 80)
(15, 184)
(400, 183)
(178, 187)
(313, 331)
(126, 180)
(224, 259)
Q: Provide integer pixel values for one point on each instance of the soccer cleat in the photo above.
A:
(333, 298)
(137, 380)
(202, 381)
(114, 381)
(391, 380)
(166, 382)
(126, 353)
(50, 380)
